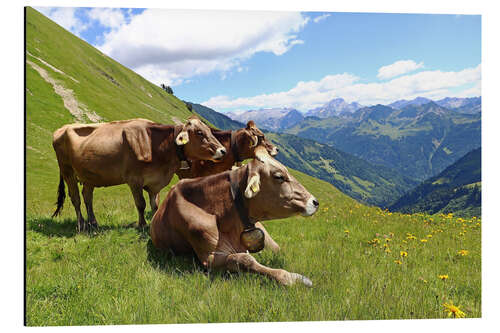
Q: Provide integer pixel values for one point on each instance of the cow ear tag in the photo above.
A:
(253, 239)
(254, 188)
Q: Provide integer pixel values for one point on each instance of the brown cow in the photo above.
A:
(240, 145)
(137, 152)
(213, 216)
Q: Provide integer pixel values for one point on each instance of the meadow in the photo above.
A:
(365, 263)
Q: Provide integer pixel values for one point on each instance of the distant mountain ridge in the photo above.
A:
(281, 119)
(335, 107)
(456, 190)
(417, 140)
(272, 119)
(371, 184)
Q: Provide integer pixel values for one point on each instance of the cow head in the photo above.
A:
(272, 192)
(254, 138)
(199, 142)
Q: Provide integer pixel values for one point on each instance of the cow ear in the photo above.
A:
(253, 186)
(139, 139)
(250, 124)
(182, 138)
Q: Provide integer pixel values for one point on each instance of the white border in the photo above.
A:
(12, 82)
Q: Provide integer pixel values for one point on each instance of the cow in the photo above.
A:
(214, 216)
(137, 152)
(240, 145)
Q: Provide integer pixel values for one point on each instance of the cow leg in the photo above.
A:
(74, 194)
(237, 262)
(269, 243)
(88, 195)
(140, 203)
(153, 200)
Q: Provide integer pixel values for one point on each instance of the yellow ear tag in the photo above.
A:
(184, 141)
(254, 188)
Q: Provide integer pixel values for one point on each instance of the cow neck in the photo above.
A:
(179, 149)
(237, 195)
(234, 148)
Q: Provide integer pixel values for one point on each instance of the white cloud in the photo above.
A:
(398, 68)
(168, 46)
(65, 17)
(320, 18)
(308, 95)
(108, 17)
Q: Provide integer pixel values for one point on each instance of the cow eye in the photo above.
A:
(198, 132)
(279, 177)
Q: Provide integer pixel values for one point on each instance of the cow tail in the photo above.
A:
(61, 195)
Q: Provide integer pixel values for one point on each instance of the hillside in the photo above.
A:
(114, 276)
(456, 190)
(94, 86)
(416, 140)
(370, 184)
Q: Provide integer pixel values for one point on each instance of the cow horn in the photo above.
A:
(255, 140)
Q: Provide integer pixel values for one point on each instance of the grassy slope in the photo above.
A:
(115, 277)
(370, 184)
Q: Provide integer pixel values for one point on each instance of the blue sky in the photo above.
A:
(244, 60)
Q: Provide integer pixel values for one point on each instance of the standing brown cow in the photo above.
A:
(137, 152)
(240, 145)
(214, 216)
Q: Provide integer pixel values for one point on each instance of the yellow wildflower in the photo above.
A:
(388, 250)
(398, 262)
(429, 236)
(453, 310)
(423, 240)
(403, 254)
(443, 277)
(463, 252)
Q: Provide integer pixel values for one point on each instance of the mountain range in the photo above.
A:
(371, 184)
(282, 119)
(271, 119)
(335, 107)
(417, 140)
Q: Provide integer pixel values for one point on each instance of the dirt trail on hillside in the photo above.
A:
(57, 70)
(69, 100)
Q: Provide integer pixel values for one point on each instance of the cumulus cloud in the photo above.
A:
(65, 17)
(108, 17)
(168, 46)
(398, 68)
(307, 95)
(320, 18)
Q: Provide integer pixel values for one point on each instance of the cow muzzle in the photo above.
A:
(311, 206)
(219, 154)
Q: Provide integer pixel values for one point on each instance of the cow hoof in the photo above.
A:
(306, 281)
(93, 224)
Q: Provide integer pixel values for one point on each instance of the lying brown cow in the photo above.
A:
(137, 152)
(240, 145)
(214, 216)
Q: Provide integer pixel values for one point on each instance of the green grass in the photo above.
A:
(115, 276)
